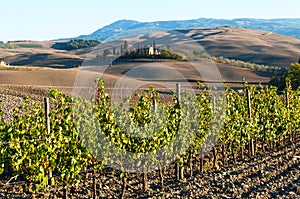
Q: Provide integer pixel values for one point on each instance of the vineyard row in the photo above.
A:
(79, 134)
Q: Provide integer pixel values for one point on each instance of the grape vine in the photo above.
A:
(86, 132)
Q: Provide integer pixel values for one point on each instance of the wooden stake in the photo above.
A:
(250, 117)
(224, 153)
(124, 187)
(161, 176)
(177, 171)
(191, 163)
(145, 181)
(47, 111)
(181, 173)
(94, 185)
(215, 157)
(178, 92)
(65, 193)
(48, 128)
(202, 161)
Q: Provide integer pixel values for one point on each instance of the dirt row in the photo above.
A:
(275, 174)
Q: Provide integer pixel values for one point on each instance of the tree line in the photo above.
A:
(81, 43)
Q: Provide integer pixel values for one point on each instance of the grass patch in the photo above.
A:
(7, 46)
(29, 45)
(251, 66)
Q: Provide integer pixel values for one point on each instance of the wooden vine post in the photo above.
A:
(179, 169)
(201, 160)
(160, 171)
(191, 162)
(48, 127)
(161, 176)
(287, 100)
(214, 149)
(47, 111)
(94, 184)
(124, 180)
(65, 193)
(178, 92)
(224, 154)
(251, 148)
(145, 180)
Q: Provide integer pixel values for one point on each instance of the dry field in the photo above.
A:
(45, 64)
(156, 73)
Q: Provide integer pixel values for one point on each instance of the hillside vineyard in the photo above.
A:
(255, 120)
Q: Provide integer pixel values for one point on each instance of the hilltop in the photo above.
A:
(128, 28)
(247, 45)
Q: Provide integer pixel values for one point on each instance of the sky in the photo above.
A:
(53, 19)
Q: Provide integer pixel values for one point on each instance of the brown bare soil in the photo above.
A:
(65, 79)
(248, 45)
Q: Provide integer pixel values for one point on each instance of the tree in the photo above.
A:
(197, 52)
(80, 43)
(139, 48)
(294, 75)
(121, 50)
(106, 52)
(126, 47)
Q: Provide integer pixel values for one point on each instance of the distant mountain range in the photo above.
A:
(128, 28)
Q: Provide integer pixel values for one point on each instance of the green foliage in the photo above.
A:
(8, 45)
(167, 54)
(81, 43)
(197, 52)
(126, 46)
(237, 129)
(85, 132)
(252, 66)
(201, 54)
(278, 81)
(106, 52)
(164, 54)
(29, 45)
(66, 141)
(269, 112)
(294, 75)
(26, 146)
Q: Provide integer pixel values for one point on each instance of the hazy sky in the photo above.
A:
(51, 19)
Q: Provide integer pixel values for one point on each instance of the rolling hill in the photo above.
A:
(127, 28)
(247, 45)
(235, 43)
